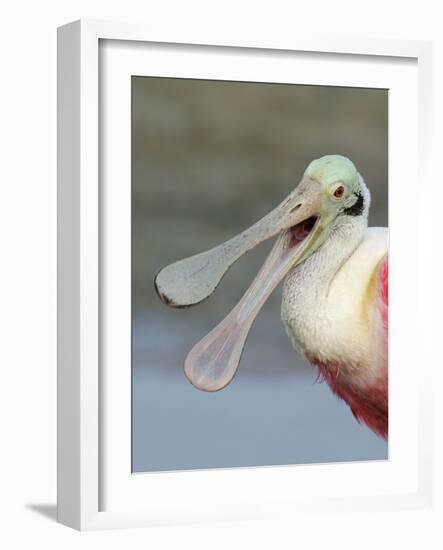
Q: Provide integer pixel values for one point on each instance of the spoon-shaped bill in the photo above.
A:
(191, 280)
(213, 362)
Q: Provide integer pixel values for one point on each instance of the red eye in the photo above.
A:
(339, 192)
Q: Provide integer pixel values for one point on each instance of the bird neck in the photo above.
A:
(306, 288)
(321, 268)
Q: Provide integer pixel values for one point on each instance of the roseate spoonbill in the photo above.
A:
(335, 294)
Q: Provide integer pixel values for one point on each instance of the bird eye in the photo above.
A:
(339, 192)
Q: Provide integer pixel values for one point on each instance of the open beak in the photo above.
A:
(213, 362)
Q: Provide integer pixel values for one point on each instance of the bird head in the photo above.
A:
(344, 190)
(330, 191)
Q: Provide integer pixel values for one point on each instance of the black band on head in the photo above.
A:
(357, 208)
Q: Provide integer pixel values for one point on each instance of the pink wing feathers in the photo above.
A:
(383, 292)
(380, 341)
(373, 408)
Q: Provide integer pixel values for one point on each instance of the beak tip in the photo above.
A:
(163, 297)
(169, 300)
(204, 384)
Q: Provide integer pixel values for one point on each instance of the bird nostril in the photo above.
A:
(296, 207)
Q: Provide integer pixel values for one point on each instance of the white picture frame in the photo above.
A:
(96, 489)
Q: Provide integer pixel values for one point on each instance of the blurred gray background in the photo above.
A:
(208, 159)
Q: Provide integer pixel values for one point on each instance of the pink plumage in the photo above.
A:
(368, 403)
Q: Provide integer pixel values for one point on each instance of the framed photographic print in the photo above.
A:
(196, 384)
